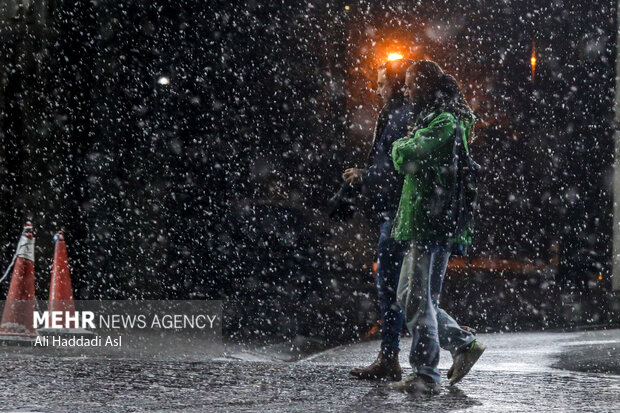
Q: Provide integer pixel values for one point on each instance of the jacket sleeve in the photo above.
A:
(374, 174)
(369, 176)
(424, 141)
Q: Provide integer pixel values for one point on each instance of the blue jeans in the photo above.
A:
(390, 259)
(419, 289)
(391, 255)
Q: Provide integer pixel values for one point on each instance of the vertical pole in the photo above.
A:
(616, 235)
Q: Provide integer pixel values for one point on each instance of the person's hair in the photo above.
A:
(438, 90)
(395, 73)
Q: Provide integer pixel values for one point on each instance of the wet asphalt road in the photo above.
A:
(514, 374)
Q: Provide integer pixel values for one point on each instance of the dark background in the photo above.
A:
(214, 185)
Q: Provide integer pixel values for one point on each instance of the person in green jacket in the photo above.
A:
(424, 156)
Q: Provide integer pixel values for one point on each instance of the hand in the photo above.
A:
(353, 175)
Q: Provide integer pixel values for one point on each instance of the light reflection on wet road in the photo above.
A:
(513, 375)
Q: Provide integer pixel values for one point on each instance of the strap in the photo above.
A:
(460, 125)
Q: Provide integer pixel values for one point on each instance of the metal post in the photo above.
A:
(616, 239)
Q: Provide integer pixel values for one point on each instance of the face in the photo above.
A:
(412, 86)
(384, 87)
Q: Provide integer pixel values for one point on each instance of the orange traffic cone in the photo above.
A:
(61, 293)
(17, 319)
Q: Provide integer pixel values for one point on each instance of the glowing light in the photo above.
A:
(163, 80)
(373, 330)
(394, 56)
(600, 277)
(347, 7)
(533, 60)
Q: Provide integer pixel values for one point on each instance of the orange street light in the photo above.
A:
(533, 60)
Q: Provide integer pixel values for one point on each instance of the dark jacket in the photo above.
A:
(382, 184)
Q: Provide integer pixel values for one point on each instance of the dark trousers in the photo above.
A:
(391, 254)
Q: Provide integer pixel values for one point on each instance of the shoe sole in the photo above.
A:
(476, 353)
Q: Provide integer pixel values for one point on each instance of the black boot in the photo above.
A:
(386, 367)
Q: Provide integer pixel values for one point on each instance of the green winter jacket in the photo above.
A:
(420, 156)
